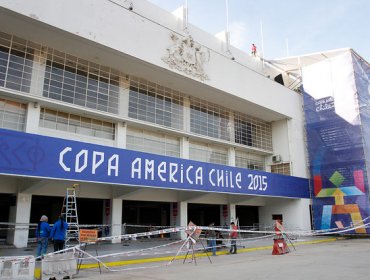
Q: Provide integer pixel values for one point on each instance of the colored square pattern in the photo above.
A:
(337, 178)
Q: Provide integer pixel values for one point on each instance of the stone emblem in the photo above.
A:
(187, 56)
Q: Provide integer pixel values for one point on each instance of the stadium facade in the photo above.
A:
(156, 121)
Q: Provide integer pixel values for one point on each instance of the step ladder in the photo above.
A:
(69, 211)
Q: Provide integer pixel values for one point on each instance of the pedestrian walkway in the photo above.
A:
(157, 254)
(335, 260)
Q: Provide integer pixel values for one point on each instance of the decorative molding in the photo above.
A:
(187, 56)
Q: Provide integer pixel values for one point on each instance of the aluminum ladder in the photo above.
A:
(69, 211)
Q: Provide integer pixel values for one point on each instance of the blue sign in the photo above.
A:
(337, 148)
(41, 156)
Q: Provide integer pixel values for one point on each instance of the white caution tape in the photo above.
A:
(267, 234)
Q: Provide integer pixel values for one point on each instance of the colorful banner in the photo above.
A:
(335, 137)
(40, 156)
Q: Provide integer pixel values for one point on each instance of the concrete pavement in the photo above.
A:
(314, 258)
(340, 259)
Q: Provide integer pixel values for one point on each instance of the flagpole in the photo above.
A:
(186, 15)
(227, 34)
(227, 15)
(262, 47)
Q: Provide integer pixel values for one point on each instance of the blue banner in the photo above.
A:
(47, 157)
(337, 137)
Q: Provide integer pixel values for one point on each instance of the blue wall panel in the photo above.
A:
(337, 148)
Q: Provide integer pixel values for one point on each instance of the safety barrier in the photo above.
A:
(17, 267)
(58, 266)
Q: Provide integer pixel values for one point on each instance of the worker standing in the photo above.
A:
(233, 235)
(254, 50)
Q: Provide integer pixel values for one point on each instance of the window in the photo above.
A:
(209, 119)
(252, 132)
(152, 142)
(249, 161)
(12, 115)
(76, 124)
(244, 132)
(77, 81)
(153, 103)
(16, 62)
(208, 153)
(281, 168)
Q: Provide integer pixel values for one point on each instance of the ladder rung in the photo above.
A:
(69, 210)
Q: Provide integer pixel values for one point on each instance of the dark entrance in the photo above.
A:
(146, 213)
(247, 215)
(6, 200)
(45, 205)
(204, 214)
(89, 211)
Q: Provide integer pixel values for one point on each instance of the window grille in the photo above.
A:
(281, 168)
(12, 115)
(76, 124)
(209, 119)
(152, 142)
(153, 103)
(16, 62)
(250, 161)
(252, 132)
(208, 153)
(77, 81)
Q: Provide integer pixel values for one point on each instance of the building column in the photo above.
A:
(231, 156)
(20, 215)
(121, 135)
(174, 214)
(183, 216)
(186, 119)
(124, 96)
(38, 73)
(231, 127)
(232, 212)
(32, 117)
(116, 214)
(227, 214)
(184, 141)
(184, 148)
(224, 215)
(106, 217)
(174, 217)
(36, 88)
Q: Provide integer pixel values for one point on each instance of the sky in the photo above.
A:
(286, 27)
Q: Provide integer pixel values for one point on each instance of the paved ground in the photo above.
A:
(314, 258)
(342, 259)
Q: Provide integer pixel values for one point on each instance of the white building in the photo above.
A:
(129, 76)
